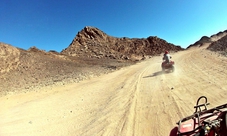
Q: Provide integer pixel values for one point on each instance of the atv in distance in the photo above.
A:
(168, 66)
(203, 122)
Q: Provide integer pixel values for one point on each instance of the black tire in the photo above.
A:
(223, 129)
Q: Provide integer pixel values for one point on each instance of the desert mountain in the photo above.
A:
(94, 43)
(206, 39)
(219, 45)
(88, 55)
(28, 69)
(91, 53)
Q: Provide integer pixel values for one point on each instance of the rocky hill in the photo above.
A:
(33, 68)
(206, 39)
(94, 43)
(91, 53)
(218, 42)
(219, 46)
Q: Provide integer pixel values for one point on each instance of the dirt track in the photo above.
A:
(138, 100)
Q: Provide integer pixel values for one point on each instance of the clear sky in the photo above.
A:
(52, 24)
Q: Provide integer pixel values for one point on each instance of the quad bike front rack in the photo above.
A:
(193, 124)
(198, 106)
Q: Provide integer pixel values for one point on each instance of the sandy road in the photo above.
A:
(135, 101)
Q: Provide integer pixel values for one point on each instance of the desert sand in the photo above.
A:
(137, 100)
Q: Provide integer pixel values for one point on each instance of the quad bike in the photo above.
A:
(204, 122)
(168, 66)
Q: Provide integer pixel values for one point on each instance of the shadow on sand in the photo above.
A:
(157, 74)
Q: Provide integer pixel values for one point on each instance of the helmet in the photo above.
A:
(166, 52)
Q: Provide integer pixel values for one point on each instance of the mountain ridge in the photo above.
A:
(88, 55)
(93, 43)
(206, 39)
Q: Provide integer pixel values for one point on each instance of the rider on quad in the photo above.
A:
(167, 63)
(166, 57)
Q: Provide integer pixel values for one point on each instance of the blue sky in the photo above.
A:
(52, 24)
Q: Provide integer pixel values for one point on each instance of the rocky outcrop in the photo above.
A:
(206, 39)
(219, 45)
(33, 68)
(88, 55)
(94, 43)
(9, 58)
